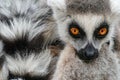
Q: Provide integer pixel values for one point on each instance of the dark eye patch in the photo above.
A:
(103, 26)
(81, 34)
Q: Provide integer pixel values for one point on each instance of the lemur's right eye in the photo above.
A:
(75, 31)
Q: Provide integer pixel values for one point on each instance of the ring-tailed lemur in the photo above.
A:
(88, 27)
(26, 34)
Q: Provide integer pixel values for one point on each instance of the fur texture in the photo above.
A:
(117, 43)
(117, 40)
(92, 6)
(26, 33)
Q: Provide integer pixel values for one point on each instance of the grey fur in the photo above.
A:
(117, 38)
(88, 6)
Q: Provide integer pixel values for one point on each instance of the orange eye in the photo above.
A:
(74, 31)
(103, 31)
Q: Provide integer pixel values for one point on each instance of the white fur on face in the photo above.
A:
(89, 23)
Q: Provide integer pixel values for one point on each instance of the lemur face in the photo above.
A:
(87, 33)
(86, 25)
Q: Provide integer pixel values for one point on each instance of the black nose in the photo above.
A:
(88, 53)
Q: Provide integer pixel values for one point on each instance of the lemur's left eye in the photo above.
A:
(102, 31)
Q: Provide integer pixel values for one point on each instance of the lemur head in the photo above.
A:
(86, 24)
(24, 39)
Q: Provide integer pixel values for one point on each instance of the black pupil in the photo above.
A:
(102, 30)
(75, 30)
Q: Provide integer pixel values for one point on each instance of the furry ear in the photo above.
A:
(58, 7)
(115, 6)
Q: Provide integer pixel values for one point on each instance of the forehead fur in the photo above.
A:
(88, 6)
(89, 21)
